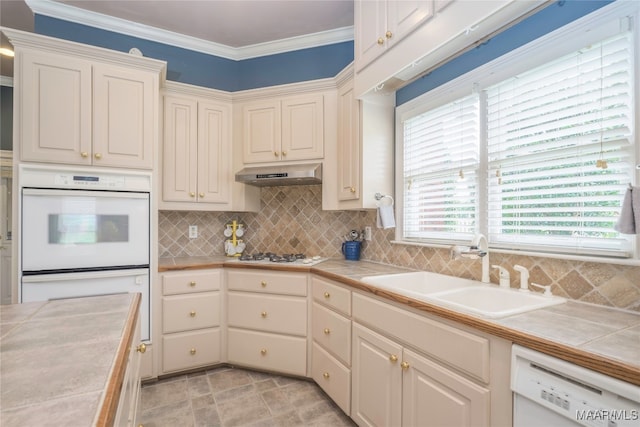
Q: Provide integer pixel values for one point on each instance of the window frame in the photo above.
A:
(589, 29)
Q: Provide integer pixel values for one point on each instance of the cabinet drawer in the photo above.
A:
(187, 312)
(190, 349)
(332, 376)
(457, 348)
(331, 295)
(191, 281)
(332, 331)
(271, 352)
(271, 313)
(268, 282)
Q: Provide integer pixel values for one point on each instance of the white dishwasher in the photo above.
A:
(553, 393)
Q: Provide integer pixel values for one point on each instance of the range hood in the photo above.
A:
(271, 176)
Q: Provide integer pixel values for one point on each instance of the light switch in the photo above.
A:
(193, 231)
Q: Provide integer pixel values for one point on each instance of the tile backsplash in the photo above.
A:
(291, 220)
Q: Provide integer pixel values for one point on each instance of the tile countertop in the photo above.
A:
(63, 361)
(596, 337)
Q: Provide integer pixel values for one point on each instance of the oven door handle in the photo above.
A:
(84, 275)
(84, 193)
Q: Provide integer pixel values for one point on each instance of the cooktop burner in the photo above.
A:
(272, 257)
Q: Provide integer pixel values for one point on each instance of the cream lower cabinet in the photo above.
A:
(411, 370)
(81, 105)
(267, 320)
(331, 333)
(191, 335)
(130, 392)
(196, 171)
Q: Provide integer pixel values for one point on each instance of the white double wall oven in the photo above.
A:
(83, 233)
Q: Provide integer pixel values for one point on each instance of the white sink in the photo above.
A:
(465, 295)
(492, 301)
(418, 282)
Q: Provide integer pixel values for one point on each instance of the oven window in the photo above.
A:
(87, 228)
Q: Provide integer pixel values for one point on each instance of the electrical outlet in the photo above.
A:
(193, 231)
(367, 234)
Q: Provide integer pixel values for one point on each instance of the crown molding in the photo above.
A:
(80, 16)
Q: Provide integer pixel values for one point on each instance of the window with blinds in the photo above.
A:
(560, 152)
(539, 161)
(440, 172)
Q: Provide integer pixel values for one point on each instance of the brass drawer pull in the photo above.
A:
(201, 195)
(192, 283)
(263, 314)
(192, 314)
(98, 156)
(326, 375)
(263, 351)
(393, 358)
(404, 366)
(192, 351)
(380, 41)
(141, 348)
(84, 154)
(327, 295)
(263, 284)
(327, 331)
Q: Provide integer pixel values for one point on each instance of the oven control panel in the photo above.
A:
(89, 181)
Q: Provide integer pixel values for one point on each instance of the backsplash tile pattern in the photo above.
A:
(292, 220)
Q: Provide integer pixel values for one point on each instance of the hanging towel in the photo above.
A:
(629, 221)
(385, 217)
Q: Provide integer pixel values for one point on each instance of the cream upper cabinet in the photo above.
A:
(74, 109)
(284, 129)
(361, 164)
(379, 25)
(196, 151)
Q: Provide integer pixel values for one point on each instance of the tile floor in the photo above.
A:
(229, 396)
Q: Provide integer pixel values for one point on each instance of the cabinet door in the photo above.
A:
(55, 109)
(180, 156)
(435, 396)
(124, 118)
(302, 128)
(214, 143)
(348, 144)
(262, 132)
(405, 16)
(376, 379)
(370, 28)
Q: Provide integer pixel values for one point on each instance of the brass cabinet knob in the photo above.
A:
(192, 351)
(326, 375)
(393, 358)
(380, 41)
(263, 284)
(388, 34)
(263, 314)
(327, 331)
(404, 365)
(98, 156)
(192, 283)
(84, 154)
(327, 295)
(263, 351)
(192, 194)
(275, 153)
(201, 194)
(142, 348)
(192, 314)
(352, 189)
(284, 153)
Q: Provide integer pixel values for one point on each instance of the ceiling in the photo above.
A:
(235, 29)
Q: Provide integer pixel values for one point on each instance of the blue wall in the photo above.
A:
(549, 19)
(187, 66)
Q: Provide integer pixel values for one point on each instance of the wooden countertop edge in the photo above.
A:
(107, 412)
(602, 364)
(164, 268)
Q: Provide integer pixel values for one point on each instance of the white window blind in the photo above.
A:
(548, 130)
(440, 172)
